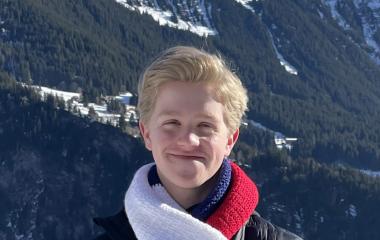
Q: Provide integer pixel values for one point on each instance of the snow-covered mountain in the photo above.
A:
(355, 17)
(361, 18)
(194, 16)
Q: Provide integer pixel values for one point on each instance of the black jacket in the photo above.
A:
(257, 228)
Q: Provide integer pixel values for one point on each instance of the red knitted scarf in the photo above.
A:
(237, 206)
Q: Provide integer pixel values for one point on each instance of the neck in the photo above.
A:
(187, 197)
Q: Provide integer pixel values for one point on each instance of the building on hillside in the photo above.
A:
(283, 142)
(125, 98)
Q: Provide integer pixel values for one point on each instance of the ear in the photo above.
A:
(231, 142)
(145, 134)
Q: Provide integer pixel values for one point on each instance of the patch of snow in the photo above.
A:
(351, 211)
(2, 29)
(371, 173)
(374, 4)
(182, 12)
(259, 125)
(370, 24)
(288, 67)
(44, 91)
(244, 1)
(298, 216)
(30, 206)
(19, 237)
(245, 4)
(321, 15)
(262, 127)
(35, 206)
(207, 13)
(368, 33)
(98, 108)
(278, 207)
(332, 4)
(108, 115)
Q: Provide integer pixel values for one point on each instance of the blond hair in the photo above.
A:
(189, 64)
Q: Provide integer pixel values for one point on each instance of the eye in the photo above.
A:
(171, 123)
(206, 128)
(205, 125)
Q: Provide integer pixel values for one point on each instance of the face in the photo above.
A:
(187, 134)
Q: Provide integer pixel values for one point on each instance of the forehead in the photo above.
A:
(182, 97)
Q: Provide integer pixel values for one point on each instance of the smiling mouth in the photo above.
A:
(186, 157)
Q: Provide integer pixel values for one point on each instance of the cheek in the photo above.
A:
(160, 139)
(218, 146)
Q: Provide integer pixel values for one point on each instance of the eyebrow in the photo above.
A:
(209, 117)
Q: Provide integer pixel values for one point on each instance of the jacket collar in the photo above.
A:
(117, 226)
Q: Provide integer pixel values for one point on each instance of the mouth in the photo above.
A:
(186, 156)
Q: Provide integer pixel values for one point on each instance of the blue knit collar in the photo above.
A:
(205, 208)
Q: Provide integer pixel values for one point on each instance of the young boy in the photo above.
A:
(190, 107)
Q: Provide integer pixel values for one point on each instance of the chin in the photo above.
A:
(188, 182)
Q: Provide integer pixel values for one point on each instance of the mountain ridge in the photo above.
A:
(330, 79)
(59, 171)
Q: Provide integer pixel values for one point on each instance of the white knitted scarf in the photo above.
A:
(154, 214)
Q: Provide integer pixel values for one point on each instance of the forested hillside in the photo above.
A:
(100, 47)
(59, 171)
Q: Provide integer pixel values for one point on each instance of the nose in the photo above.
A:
(188, 139)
